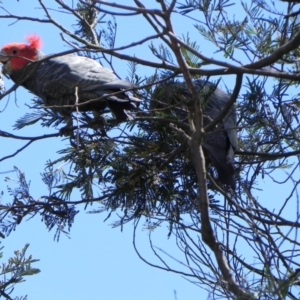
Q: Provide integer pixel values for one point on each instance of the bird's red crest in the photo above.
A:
(34, 41)
(20, 55)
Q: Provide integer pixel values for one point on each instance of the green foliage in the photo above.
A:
(54, 211)
(191, 59)
(162, 52)
(87, 21)
(144, 169)
(40, 114)
(14, 271)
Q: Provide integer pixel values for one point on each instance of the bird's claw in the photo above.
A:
(66, 131)
(98, 123)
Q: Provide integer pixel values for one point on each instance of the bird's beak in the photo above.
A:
(3, 57)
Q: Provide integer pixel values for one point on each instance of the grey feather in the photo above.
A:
(219, 144)
(55, 81)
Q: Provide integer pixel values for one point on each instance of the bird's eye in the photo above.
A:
(14, 51)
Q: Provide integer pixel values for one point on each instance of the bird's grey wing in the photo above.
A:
(215, 105)
(220, 99)
(76, 71)
(87, 75)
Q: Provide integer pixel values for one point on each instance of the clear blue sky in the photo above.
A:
(98, 262)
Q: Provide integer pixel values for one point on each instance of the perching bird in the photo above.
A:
(67, 80)
(221, 142)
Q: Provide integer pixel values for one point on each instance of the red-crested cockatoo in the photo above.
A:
(63, 81)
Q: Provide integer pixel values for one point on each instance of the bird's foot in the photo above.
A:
(98, 122)
(66, 131)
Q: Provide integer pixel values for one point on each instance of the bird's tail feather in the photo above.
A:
(119, 108)
(224, 164)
